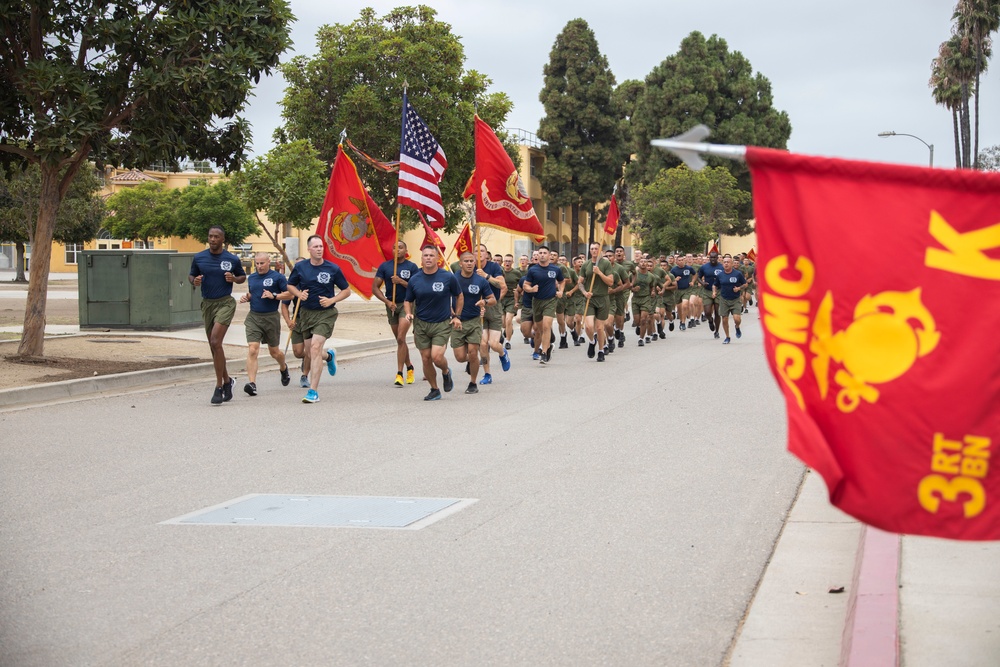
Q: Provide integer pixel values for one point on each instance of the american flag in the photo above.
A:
(421, 166)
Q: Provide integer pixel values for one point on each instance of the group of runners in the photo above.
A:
(472, 309)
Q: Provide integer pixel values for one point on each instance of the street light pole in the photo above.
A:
(890, 133)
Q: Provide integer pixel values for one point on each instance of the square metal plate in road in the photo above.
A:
(265, 509)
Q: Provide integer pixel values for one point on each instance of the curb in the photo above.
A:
(871, 633)
(71, 389)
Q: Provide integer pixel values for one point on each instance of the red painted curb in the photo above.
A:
(871, 634)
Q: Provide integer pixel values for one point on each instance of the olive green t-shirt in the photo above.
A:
(587, 273)
(511, 278)
(645, 281)
(571, 277)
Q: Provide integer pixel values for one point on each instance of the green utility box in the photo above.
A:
(137, 289)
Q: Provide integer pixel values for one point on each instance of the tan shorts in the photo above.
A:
(730, 306)
(263, 328)
(431, 334)
(316, 322)
(217, 311)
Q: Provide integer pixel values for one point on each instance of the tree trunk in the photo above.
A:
(574, 230)
(975, 146)
(966, 138)
(20, 263)
(958, 149)
(33, 336)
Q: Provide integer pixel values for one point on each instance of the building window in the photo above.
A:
(562, 214)
(73, 251)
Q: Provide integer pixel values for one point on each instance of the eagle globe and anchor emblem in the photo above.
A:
(347, 227)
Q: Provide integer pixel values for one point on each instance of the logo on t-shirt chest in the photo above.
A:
(437, 287)
(323, 278)
(226, 265)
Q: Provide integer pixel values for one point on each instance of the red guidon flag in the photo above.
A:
(879, 286)
(464, 241)
(345, 225)
(611, 226)
(501, 199)
(752, 255)
(431, 238)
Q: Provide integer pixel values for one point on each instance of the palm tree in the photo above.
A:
(975, 20)
(948, 93)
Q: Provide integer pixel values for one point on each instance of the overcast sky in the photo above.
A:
(843, 71)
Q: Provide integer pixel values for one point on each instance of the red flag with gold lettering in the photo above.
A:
(464, 241)
(431, 238)
(345, 225)
(501, 198)
(879, 289)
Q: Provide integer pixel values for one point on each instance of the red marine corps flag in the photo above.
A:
(889, 362)
(611, 226)
(464, 241)
(346, 227)
(501, 200)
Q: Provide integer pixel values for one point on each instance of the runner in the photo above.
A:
(706, 278)
(313, 282)
(508, 303)
(265, 289)
(683, 275)
(493, 317)
(545, 283)
(596, 277)
(295, 336)
(396, 287)
(467, 334)
(731, 283)
(566, 304)
(428, 305)
(643, 289)
(216, 270)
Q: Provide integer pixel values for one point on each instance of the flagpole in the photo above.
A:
(689, 145)
(593, 277)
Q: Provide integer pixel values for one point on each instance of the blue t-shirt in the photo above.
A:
(494, 270)
(683, 275)
(709, 273)
(545, 279)
(213, 269)
(273, 282)
(404, 270)
(729, 282)
(432, 293)
(526, 297)
(475, 287)
(319, 280)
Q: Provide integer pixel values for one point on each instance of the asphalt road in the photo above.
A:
(624, 514)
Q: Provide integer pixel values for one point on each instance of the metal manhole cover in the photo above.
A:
(111, 340)
(265, 509)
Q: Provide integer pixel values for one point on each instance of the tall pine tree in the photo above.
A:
(584, 150)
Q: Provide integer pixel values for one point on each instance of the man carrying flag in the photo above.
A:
(421, 166)
(395, 275)
(429, 307)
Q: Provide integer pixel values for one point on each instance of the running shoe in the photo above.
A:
(621, 341)
(526, 340)
(285, 377)
(399, 380)
(472, 388)
(535, 356)
(505, 362)
(544, 358)
(669, 326)
(487, 379)
(467, 368)
(250, 388)
(600, 356)
(577, 341)
(506, 345)
(641, 344)
(711, 325)
(739, 334)
(663, 335)
(726, 342)
(590, 349)
(682, 326)
(434, 395)
(649, 339)
(227, 390)
(449, 384)
(312, 396)
(716, 334)
(703, 318)
(409, 375)
(563, 343)
(217, 396)
(628, 316)
(331, 363)
(637, 332)
(304, 381)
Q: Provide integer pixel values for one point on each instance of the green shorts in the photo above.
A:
(543, 308)
(685, 294)
(730, 306)
(507, 303)
(263, 328)
(493, 318)
(598, 307)
(527, 315)
(393, 316)
(430, 334)
(641, 305)
(217, 311)
(316, 322)
(561, 305)
(670, 299)
(706, 296)
(620, 300)
(470, 334)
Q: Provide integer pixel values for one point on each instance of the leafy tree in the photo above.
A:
(583, 151)
(288, 185)
(356, 81)
(682, 209)
(200, 207)
(989, 158)
(78, 219)
(125, 83)
(705, 83)
(624, 99)
(142, 212)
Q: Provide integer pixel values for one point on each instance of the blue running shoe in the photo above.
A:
(536, 356)
(331, 363)
(739, 334)
(505, 362)
(726, 342)
(487, 379)
(312, 396)
(449, 384)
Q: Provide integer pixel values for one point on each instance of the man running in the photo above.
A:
(731, 283)
(395, 285)
(265, 289)
(428, 305)
(216, 270)
(493, 316)
(643, 289)
(313, 283)
(683, 275)
(545, 283)
(467, 335)
(508, 303)
(706, 278)
(596, 277)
